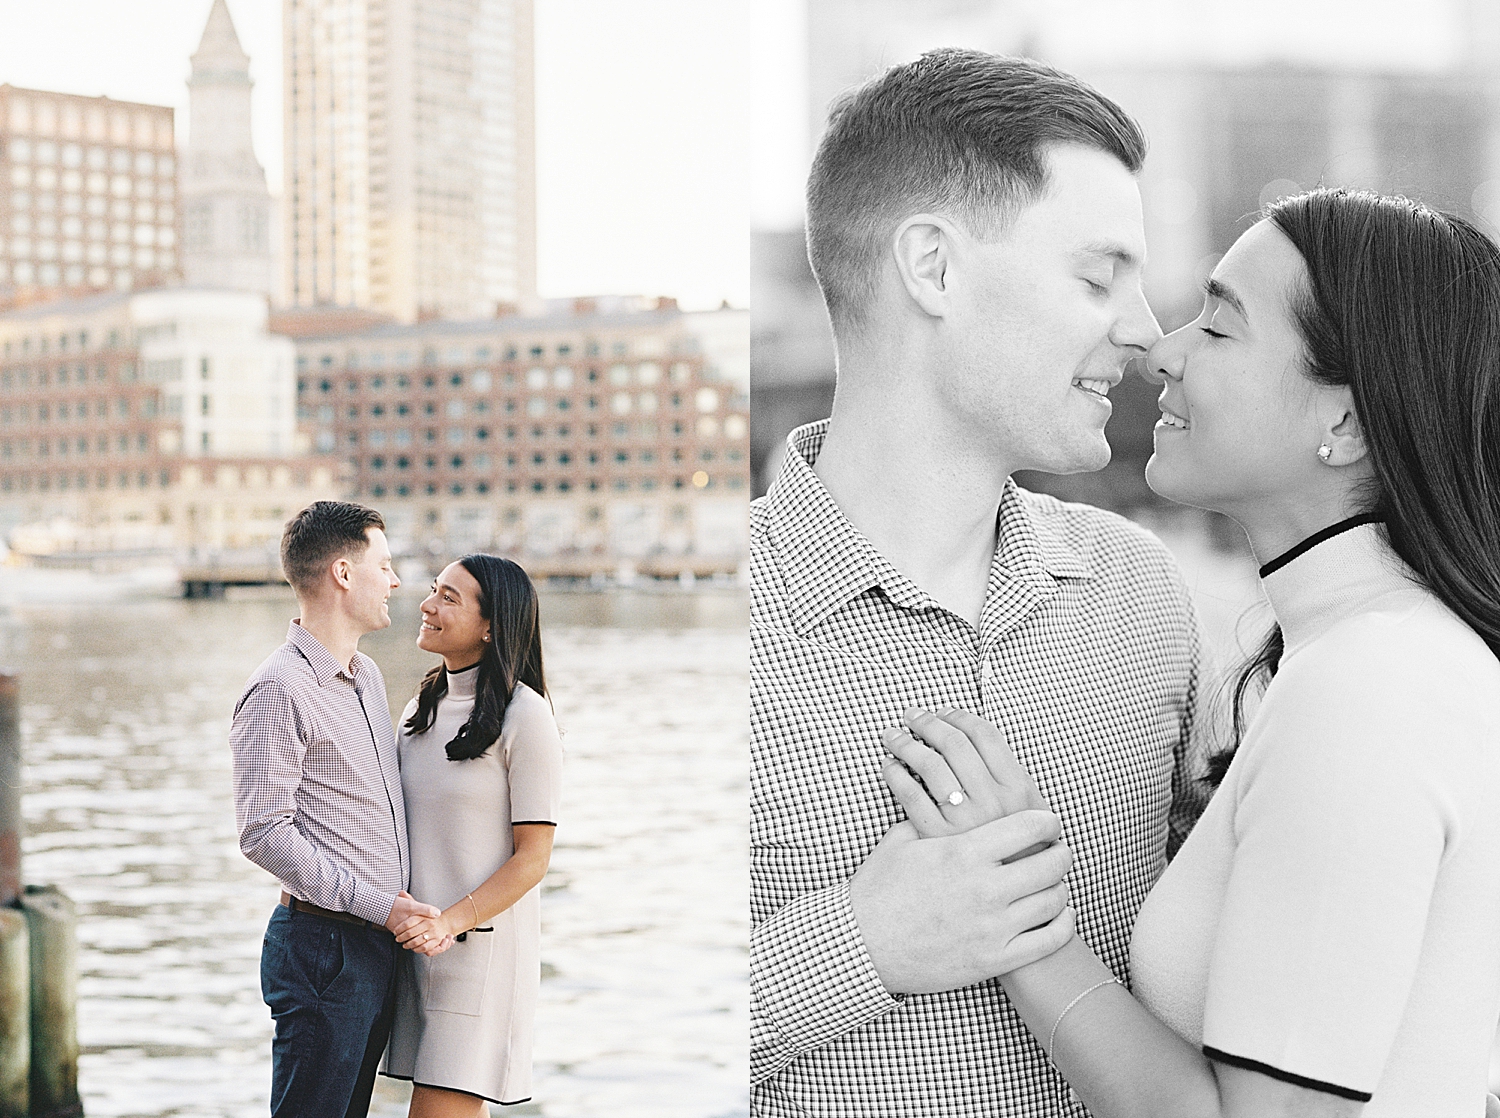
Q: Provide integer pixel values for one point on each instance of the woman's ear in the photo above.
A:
(1343, 433)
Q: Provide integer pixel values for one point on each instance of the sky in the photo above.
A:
(642, 106)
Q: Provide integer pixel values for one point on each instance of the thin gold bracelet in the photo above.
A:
(475, 907)
(1052, 1039)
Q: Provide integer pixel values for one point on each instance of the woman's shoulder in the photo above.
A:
(1408, 676)
(1408, 638)
(406, 712)
(527, 707)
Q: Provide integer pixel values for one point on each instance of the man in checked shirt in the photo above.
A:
(317, 797)
(975, 225)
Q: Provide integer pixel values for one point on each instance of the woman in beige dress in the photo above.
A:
(481, 768)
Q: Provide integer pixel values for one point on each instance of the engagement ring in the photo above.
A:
(956, 798)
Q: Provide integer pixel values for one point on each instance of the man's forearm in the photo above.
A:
(276, 846)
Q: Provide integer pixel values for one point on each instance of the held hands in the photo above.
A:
(419, 927)
(941, 913)
(955, 751)
(962, 892)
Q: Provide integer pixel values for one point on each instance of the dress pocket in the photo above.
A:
(454, 981)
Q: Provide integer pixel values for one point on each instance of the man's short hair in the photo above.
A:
(960, 133)
(319, 534)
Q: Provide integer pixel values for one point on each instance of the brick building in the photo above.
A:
(115, 409)
(581, 400)
(590, 430)
(591, 434)
(92, 203)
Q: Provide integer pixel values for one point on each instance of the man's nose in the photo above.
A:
(1137, 327)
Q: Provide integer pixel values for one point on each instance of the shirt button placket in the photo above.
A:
(988, 679)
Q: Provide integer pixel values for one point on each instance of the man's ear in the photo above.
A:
(341, 570)
(923, 249)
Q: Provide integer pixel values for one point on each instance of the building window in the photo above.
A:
(198, 226)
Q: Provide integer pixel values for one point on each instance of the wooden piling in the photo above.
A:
(15, 950)
(51, 924)
(15, 1015)
(10, 787)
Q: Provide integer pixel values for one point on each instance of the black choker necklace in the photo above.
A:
(460, 671)
(1316, 538)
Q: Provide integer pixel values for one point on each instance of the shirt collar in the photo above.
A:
(325, 665)
(827, 562)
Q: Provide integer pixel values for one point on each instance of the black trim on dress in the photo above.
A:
(1286, 1076)
(532, 823)
(456, 1090)
(1316, 538)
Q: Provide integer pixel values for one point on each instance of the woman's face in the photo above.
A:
(1241, 423)
(451, 622)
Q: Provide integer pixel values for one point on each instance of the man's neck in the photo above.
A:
(924, 504)
(333, 631)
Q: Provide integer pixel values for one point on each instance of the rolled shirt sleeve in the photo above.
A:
(268, 742)
(1338, 848)
(811, 980)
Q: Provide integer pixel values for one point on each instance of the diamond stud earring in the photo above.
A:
(1325, 452)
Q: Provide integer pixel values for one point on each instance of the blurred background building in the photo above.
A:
(228, 218)
(387, 345)
(1240, 105)
(92, 202)
(409, 155)
(593, 437)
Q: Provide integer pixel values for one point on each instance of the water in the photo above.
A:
(126, 703)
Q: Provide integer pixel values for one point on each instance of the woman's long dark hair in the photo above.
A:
(1402, 304)
(513, 655)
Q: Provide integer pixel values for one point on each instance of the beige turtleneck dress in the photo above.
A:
(464, 1018)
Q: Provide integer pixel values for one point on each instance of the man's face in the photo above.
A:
(371, 580)
(1046, 317)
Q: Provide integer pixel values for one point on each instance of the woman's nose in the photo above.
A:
(1150, 373)
(1163, 361)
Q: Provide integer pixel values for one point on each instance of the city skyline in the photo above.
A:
(642, 176)
(1078, 35)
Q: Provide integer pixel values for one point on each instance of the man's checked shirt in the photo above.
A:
(1086, 656)
(317, 790)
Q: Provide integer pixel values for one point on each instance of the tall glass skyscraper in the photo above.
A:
(410, 177)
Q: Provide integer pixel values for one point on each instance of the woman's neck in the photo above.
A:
(1275, 527)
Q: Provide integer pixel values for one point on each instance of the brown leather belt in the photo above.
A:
(295, 905)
